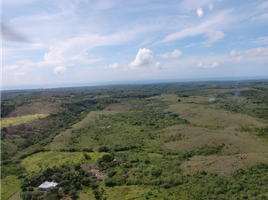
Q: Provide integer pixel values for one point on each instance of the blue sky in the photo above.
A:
(83, 41)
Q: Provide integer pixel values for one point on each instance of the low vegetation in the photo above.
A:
(199, 140)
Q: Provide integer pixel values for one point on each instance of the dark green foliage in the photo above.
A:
(243, 184)
(103, 149)
(87, 157)
(70, 150)
(132, 146)
(87, 150)
(116, 180)
(5, 109)
(111, 173)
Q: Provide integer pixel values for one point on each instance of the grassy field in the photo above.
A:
(5, 122)
(92, 118)
(208, 116)
(43, 160)
(9, 186)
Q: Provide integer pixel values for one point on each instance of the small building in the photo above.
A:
(46, 185)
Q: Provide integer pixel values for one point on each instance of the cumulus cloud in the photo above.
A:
(60, 69)
(213, 65)
(144, 58)
(214, 35)
(174, 54)
(113, 66)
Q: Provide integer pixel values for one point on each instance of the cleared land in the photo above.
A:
(9, 186)
(203, 115)
(33, 108)
(43, 160)
(5, 122)
(92, 118)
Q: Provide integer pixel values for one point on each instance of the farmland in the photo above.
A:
(200, 140)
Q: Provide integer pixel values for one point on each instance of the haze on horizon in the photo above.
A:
(83, 41)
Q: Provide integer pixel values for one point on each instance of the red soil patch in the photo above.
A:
(213, 163)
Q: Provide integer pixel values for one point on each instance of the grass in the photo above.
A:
(208, 116)
(16, 196)
(43, 160)
(9, 185)
(5, 122)
(61, 140)
(173, 98)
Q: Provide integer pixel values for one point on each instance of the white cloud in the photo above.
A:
(188, 5)
(59, 69)
(251, 52)
(261, 40)
(219, 19)
(190, 45)
(174, 54)
(20, 73)
(11, 67)
(260, 17)
(144, 58)
(233, 53)
(158, 65)
(113, 66)
(213, 65)
(214, 35)
(264, 5)
(238, 59)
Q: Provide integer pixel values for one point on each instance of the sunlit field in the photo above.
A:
(13, 121)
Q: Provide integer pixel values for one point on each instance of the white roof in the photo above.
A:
(46, 185)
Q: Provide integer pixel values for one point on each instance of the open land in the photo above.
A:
(200, 140)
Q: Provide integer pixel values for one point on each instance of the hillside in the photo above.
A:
(198, 140)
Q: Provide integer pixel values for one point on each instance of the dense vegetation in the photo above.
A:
(133, 140)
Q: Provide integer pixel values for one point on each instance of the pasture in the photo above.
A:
(43, 160)
(5, 122)
(9, 186)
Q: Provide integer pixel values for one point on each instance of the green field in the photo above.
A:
(9, 186)
(44, 160)
(5, 122)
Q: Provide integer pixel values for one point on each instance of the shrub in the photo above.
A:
(87, 157)
(103, 149)
(87, 150)
(111, 173)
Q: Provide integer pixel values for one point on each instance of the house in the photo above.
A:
(46, 185)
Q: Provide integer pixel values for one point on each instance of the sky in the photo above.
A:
(87, 41)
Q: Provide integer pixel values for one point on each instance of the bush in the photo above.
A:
(111, 173)
(103, 149)
(87, 157)
(87, 150)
